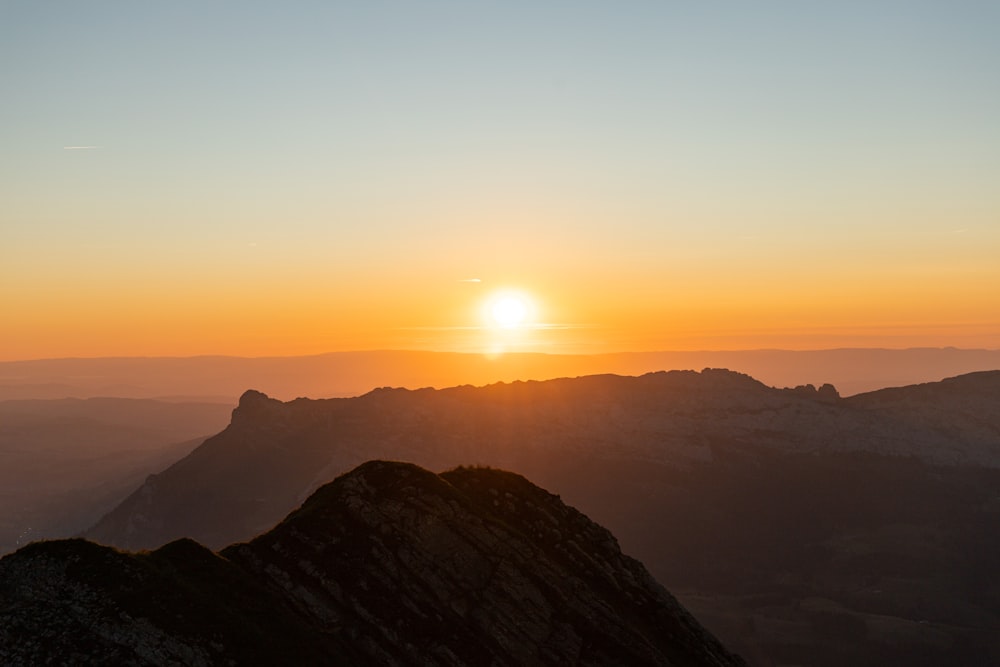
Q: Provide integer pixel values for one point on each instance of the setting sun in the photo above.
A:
(509, 310)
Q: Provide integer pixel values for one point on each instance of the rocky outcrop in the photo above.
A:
(387, 565)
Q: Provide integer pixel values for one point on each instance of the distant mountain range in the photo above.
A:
(801, 526)
(217, 378)
(387, 565)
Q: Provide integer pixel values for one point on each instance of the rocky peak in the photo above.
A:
(474, 566)
(253, 402)
(387, 565)
(827, 392)
(257, 409)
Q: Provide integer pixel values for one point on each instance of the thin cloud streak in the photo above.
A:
(456, 328)
(542, 325)
(470, 280)
(532, 326)
(79, 148)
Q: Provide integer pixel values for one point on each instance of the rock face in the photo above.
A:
(387, 565)
(274, 454)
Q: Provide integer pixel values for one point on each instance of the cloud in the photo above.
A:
(442, 328)
(470, 280)
(554, 326)
(536, 326)
(79, 148)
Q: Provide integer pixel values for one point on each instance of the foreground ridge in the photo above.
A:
(388, 564)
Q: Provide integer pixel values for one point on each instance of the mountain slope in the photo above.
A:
(387, 565)
(965, 408)
(817, 530)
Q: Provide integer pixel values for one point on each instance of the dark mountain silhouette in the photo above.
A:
(816, 530)
(352, 373)
(387, 565)
(65, 463)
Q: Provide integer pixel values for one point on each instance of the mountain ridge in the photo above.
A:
(389, 564)
(852, 370)
(284, 450)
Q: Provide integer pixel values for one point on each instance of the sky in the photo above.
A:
(264, 178)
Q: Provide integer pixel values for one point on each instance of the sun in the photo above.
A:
(509, 310)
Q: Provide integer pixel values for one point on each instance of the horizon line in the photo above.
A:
(508, 353)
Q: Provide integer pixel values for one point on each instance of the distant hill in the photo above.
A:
(66, 462)
(217, 378)
(835, 525)
(387, 565)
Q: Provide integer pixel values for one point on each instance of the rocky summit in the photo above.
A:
(388, 564)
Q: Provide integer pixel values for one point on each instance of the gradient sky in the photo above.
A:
(281, 178)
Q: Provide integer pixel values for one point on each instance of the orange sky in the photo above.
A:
(672, 177)
(590, 314)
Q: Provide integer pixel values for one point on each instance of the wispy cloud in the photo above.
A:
(552, 326)
(79, 148)
(470, 280)
(535, 326)
(443, 328)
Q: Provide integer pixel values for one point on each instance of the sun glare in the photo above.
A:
(509, 310)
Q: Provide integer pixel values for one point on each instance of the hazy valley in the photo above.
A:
(65, 462)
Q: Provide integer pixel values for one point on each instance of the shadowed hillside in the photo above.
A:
(387, 565)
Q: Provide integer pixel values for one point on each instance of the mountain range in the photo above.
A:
(273, 454)
(800, 526)
(387, 565)
(222, 378)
